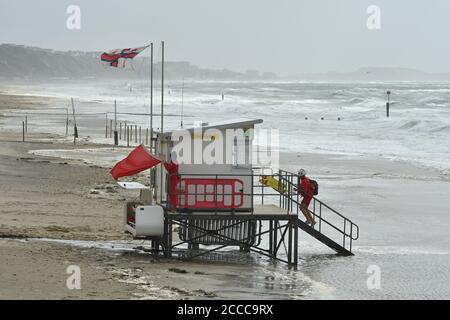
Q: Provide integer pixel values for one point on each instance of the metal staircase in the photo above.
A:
(324, 239)
(332, 228)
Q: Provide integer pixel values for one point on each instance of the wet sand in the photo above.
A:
(49, 197)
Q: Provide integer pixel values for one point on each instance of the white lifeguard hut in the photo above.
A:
(216, 199)
(214, 166)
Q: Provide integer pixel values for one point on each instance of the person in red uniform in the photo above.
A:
(307, 191)
(174, 179)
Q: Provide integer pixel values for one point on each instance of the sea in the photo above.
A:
(340, 117)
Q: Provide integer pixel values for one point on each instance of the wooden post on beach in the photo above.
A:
(106, 126)
(75, 128)
(146, 136)
(127, 129)
(140, 134)
(67, 122)
(26, 123)
(23, 131)
(110, 128)
(120, 131)
(116, 137)
(130, 131)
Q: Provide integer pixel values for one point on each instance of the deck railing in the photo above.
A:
(287, 196)
(324, 215)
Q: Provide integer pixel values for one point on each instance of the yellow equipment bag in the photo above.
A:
(270, 181)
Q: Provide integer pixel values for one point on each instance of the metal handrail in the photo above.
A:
(288, 198)
(353, 226)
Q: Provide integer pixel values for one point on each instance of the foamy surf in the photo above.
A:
(416, 131)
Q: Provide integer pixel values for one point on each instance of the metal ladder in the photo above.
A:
(332, 228)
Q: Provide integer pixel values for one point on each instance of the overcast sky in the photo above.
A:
(284, 36)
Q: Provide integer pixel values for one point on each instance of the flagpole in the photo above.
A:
(162, 88)
(152, 183)
(151, 96)
(162, 114)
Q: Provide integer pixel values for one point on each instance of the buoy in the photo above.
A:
(306, 118)
(322, 118)
(339, 118)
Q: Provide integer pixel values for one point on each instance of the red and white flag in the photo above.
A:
(137, 161)
(113, 57)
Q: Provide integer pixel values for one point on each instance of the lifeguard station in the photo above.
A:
(225, 201)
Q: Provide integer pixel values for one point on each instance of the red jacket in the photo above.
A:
(306, 188)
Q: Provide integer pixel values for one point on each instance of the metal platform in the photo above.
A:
(244, 229)
(260, 211)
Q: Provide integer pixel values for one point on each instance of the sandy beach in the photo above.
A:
(57, 212)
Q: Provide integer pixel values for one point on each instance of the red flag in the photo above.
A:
(138, 160)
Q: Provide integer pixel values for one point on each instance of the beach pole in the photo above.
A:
(116, 135)
(135, 133)
(127, 129)
(26, 123)
(106, 126)
(146, 137)
(75, 128)
(388, 103)
(67, 122)
(140, 134)
(110, 128)
(23, 131)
